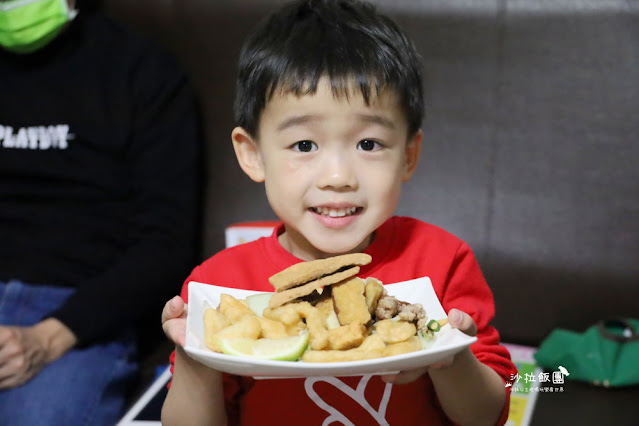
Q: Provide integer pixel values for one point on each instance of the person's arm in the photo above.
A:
(471, 385)
(472, 389)
(470, 392)
(162, 155)
(196, 395)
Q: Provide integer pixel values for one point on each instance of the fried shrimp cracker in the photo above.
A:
(314, 322)
(413, 344)
(395, 331)
(281, 297)
(233, 309)
(304, 272)
(350, 303)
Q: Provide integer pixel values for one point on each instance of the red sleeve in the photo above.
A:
(466, 290)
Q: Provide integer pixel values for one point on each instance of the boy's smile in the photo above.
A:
(332, 166)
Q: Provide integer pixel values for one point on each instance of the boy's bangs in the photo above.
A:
(342, 86)
(346, 42)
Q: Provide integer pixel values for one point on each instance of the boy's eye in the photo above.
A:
(304, 146)
(368, 145)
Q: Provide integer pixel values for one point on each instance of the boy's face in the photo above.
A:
(332, 167)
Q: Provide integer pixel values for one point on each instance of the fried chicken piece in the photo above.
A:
(415, 313)
(387, 307)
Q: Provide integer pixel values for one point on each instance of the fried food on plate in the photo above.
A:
(233, 309)
(372, 347)
(350, 303)
(304, 272)
(392, 331)
(341, 316)
(347, 336)
(272, 329)
(280, 298)
(373, 291)
(413, 344)
(248, 327)
(315, 324)
(288, 316)
(214, 321)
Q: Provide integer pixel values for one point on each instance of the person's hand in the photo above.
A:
(457, 319)
(174, 320)
(25, 351)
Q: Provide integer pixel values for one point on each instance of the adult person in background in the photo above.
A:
(98, 189)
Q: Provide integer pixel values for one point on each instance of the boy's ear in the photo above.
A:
(413, 148)
(248, 154)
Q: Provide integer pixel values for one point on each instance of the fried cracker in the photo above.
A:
(278, 299)
(304, 272)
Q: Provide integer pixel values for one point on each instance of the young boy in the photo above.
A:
(329, 107)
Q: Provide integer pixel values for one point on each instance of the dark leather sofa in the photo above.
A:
(531, 153)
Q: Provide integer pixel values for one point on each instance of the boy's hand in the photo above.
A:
(457, 319)
(174, 320)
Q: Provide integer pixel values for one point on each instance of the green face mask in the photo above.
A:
(28, 25)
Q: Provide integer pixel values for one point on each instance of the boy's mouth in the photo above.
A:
(336, 212)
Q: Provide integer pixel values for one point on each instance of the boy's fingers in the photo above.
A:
(462, 321)
(173, 309)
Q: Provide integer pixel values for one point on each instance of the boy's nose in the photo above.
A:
(337, 172)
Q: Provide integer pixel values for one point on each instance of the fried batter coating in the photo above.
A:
(317, 331)
(288, 316)
(395, 331)
(373, 291)
(247, 327)
(411, 345)
(214, 321)
(272, 329)
(233, 309)
(350, 303)
(372, 347)
(347, 336)
(387, 308)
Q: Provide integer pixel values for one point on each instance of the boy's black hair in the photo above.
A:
(346, 40)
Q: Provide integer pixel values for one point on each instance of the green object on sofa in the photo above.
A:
(606, 354)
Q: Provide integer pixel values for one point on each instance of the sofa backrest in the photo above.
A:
(531, 143)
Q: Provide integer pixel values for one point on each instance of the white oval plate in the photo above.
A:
(447, 342)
